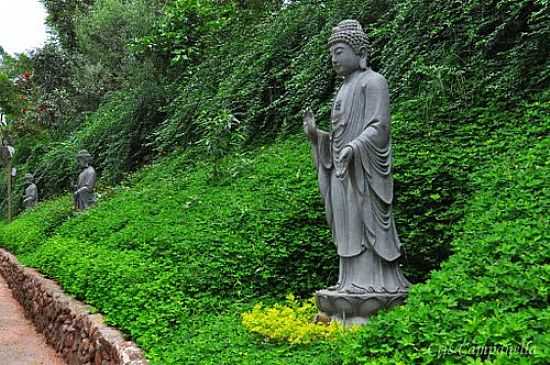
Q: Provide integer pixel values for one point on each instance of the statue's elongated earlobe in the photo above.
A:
(363, 63)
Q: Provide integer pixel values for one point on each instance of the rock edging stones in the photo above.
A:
(80, 337)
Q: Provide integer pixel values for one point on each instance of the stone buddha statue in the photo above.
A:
(30, 198)
(353, 163)
(84, 196)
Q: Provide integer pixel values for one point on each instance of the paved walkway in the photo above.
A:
(20, 344)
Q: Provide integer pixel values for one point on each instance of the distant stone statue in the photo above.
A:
(353, 163)
(31, 192)
(84, 196)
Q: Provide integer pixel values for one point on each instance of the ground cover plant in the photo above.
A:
(174, 257)
(209, 203)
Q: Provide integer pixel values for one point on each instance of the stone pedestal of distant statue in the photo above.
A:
(30, 198)
(84, 196)
(353, 163)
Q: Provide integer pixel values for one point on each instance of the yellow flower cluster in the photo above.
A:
(291, 322)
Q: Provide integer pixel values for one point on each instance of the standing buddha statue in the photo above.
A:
(353, 163)
(30, 198)
(84, 196)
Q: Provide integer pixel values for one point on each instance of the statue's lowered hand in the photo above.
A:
(343, 161)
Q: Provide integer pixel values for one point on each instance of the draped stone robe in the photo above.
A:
(86, 196)
(31, 196)
(359, 203)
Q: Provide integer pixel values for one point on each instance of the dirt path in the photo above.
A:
(20, 344)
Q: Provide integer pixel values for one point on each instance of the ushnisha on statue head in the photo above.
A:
(348, 45)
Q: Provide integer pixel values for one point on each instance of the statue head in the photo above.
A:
(348, 47)
(84, 158)
(28, 179)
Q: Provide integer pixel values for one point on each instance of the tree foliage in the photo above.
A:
(15, 84)
(62, 15)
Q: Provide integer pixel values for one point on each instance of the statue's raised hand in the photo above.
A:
(310, 128)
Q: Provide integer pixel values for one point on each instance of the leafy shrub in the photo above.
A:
(117, 135)
(104, 31)
(143, 299)
(445, 56)
(56, 167)
(291, 322)
(177, 38)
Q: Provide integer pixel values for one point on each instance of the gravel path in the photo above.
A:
(20, 344)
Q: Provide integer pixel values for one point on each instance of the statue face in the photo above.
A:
(344, 59)
(82, 162)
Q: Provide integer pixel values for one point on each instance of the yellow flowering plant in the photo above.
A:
(291, 322)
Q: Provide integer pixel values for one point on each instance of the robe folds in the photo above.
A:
(31, 196)
(359, 202)
(86, 183)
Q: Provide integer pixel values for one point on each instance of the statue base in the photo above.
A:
(355, 309)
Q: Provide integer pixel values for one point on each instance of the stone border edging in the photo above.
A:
(69, 327)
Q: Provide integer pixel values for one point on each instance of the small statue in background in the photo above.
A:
(31, 192)
(84, 196)
(353, 163)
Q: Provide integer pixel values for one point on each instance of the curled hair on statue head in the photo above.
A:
(351, 33)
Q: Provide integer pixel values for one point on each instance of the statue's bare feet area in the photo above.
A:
(20, 344)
